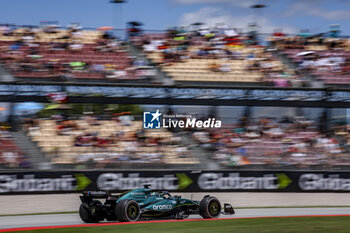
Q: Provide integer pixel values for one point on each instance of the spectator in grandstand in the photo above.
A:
(139, 62)
(253, 65)
(6, 30)
(225, 67)
(215, 67)
(76, 35)
(97, 67)
(10, 159)
(117, 74)
(66, 75)
(91, 120)
(146, 73)
(51, 28)
(76, 47)
(346, 67)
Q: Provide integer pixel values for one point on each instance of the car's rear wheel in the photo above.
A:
(86, 214)
(127, 211)
(210, 207)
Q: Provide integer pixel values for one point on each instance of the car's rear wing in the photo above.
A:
(89, 196)
(95, 194)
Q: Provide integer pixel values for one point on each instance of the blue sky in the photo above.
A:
(291, 15)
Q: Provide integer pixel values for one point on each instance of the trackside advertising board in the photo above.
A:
(32, 182)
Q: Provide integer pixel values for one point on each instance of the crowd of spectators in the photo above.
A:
(68, 54)
(75, 54)
(10, 155)
(105, 143)
(275, 142)
(294, 142)
(327, 57)
(222, 45)
(332, 63)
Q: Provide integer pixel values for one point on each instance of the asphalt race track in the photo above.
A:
(72, 219)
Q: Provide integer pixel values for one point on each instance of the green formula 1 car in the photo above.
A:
(143, 203)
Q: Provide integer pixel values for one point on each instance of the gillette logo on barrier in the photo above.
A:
(151, 120)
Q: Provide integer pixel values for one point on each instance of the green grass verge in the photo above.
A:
(261, 225)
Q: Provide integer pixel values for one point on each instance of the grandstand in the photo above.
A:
(327, 59)
(213, 58)
(108, 143)
(194, 57)
(68, 55)
(289, 143)
(277, 142)
(203, 57)
(11, 155)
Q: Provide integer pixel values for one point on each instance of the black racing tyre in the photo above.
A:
(127, 210)
(86, 216)
(210, 207)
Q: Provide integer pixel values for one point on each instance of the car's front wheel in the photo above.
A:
(210, 207)
(127, 210)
